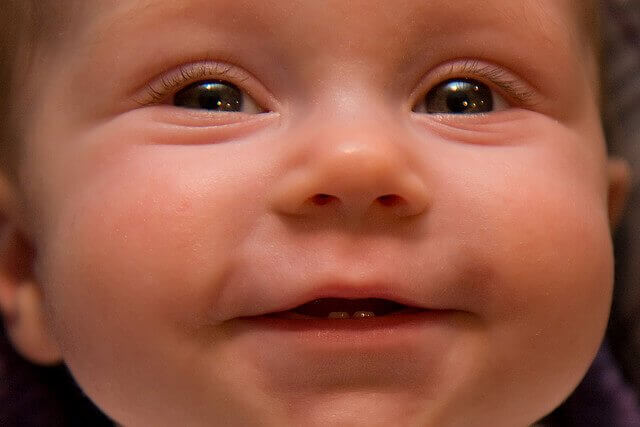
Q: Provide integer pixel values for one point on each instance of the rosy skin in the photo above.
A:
(156, 227)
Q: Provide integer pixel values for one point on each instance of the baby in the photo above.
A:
(308, 213)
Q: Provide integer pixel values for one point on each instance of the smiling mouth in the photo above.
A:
(342, 308)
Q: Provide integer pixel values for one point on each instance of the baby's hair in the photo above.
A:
(11, 35)
(30, 395)
(25, 26)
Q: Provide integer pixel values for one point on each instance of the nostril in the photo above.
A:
(390, 200)
(322, 199)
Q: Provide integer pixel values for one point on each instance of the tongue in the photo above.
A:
(322, 307)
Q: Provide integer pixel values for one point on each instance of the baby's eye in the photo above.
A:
(460, 96)
(216, 95)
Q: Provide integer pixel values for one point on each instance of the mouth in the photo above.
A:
(332, 324)
(336, 337)
(344, 308)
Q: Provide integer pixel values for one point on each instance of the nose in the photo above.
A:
(356, 169)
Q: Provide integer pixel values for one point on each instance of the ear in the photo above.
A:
(619, 187)
(21, 302)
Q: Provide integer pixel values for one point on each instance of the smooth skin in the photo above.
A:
(138, 232)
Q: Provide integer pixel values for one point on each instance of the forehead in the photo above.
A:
(335, 19)
(294, 33)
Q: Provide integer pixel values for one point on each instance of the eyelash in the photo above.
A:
(159, 89)
(491, 75)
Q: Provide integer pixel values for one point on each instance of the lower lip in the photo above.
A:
(380, 332)
(400, 353)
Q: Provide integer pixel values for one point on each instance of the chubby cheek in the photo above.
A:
(538, 218)
(557, 276)
(556, 298)
(132, 263)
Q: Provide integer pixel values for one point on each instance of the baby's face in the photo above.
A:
(443, 155)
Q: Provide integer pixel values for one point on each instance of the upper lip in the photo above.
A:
(350, 291)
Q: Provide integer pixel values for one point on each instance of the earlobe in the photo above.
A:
(619, 174)
(21, 302)
(27, 329)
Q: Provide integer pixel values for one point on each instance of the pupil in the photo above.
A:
(211, 95)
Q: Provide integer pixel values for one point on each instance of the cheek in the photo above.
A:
(556, 269)
(535, 218)
(535, 211)
(558, 254)
(141, 251)
(558, 281)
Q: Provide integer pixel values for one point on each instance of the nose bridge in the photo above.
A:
(356, 165)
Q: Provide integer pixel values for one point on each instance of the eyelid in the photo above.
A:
(168, 83)
(514, 89)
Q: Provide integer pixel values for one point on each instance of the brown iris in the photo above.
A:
(459, 96)
(214, 95)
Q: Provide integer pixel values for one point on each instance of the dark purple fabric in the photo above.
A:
(603, 398)
(33, 396)
(622, 112)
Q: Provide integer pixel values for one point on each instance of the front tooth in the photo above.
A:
(338, 315)
(362, 314)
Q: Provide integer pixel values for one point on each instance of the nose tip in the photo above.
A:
(353, 178)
